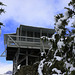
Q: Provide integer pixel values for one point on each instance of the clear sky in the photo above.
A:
(38, 13)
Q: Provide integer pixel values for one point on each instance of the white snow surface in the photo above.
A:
(56, 70)
(74, 49)
(69, 65)
(60, 44)
(59, 23)
(73, 35)
(40, 67)
(44, 37)
(58, 58)
(42, 53)
(74, 39)
(53, 37)
(18, 67)
(60, 31)
(74, 21)
(66, 15)
(49, 63)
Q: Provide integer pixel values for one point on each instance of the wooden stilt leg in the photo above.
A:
(26, 57)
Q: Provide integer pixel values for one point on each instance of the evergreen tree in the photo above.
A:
(60, 58)
(1, 11)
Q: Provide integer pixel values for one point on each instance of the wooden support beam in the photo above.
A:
(17, 38)
(22, 54)
(3, 53)
(26, 34)
(33, 36)
(40, 32)
(14, 66)
(32, 55)
(15, 61)
(13, 41)
(26, 57)
(21, 60)
(17, 54)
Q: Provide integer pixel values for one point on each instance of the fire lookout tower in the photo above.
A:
(24, 46)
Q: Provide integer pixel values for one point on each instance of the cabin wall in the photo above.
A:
(33, 33)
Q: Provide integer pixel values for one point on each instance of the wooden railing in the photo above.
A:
(24, 41)
(18, 41)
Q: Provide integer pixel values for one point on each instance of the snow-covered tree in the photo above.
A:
(60, 58)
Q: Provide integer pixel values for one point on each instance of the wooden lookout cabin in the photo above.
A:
(24, 46)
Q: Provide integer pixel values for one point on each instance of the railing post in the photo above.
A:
(8, 41)
(33, 37)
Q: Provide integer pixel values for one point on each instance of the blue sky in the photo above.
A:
(38, 13)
